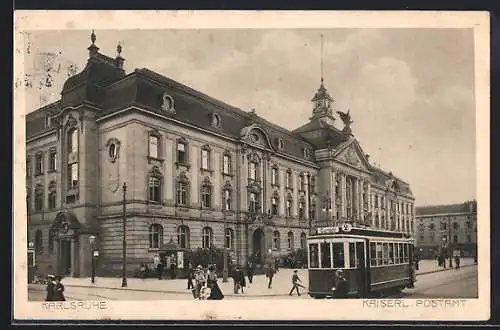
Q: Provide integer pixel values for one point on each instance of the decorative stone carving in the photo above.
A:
(167, 103)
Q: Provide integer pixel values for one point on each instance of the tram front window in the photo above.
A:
(313, 256)
(326, 256)
(338, 255)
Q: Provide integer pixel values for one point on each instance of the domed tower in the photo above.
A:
(322, 105)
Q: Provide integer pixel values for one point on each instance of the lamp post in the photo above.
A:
(92, 259)
(225, 270)
(449, 242)
(124, 223)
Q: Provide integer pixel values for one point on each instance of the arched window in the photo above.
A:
(39, 241)
(183, 237)
(52, 195)
(207, 234)
(229, 236)
(182, 190)
(206, 194)
(39, 195)
(73, 140)
(290, 240)
(276, 240)
(51, 241)
(303, 240)
(155, 236)
(154, 185)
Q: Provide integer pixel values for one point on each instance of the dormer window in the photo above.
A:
(48, 121)
(281, 144)
(216, 120)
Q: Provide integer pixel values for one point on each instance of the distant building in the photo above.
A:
(440, 225)
(200, 174)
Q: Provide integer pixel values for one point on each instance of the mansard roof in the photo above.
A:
(430, 210)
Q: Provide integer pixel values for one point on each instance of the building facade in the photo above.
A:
(199, 173)
(445, 228)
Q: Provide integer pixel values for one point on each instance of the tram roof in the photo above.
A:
(353, 231)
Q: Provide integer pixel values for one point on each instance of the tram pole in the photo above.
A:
(450, 250)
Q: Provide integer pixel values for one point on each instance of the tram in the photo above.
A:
(374, 262)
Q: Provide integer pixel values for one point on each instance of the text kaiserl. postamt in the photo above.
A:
(403, 303)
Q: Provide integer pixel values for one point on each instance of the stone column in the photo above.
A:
(370, 206)
(357, 214)
(295, 195)
(281, 178)
(361, 202)
(334, 196)
(343, 189)
(307, 200)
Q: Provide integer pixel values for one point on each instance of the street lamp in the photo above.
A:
(92, 249)
(124, 223)
(449, 242)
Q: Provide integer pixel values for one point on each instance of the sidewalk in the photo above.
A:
(281, 282)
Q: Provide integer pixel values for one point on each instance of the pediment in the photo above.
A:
(353, 155)
(255, 135)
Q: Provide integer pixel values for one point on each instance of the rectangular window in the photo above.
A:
(39, 164)
(455, 239)
(289, 180)
(52, 200)
(53, 161)
(391, 254)
(227, 200)
(153, 146)
(181, 153)
(443, 225)
(301, 183)
(252, 205)
(401, 253)
(205, 155)
(154, 189)
(73, 175)
(338, 255)
(352, 255)
(252, 171)
(274, 206)
(385, 253)
(373, 254)
(181, 194)
(206, 197)
(326, 255)
(380, 255)
(226, 167)
(288, 208)
(274, 176)
(313, 256)
(405, 251)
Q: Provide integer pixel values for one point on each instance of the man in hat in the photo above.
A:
(342, 287)
(51, 284)
(295, 283)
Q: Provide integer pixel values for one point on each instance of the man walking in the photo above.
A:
(250, 271)
(158, 265)
(296, 284)
(237, 279)
(269, 275)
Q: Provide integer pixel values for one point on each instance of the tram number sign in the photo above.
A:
(346, 227)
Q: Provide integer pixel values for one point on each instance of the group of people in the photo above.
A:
(205, 284)
(441, 260)
(55, 289)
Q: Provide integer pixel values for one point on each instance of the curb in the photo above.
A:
(230, 295)
(442, 270)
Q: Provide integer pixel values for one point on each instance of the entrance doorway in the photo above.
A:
(65, 257)
(258, 246)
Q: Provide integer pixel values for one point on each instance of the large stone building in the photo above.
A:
(199, 173)
(439, 225)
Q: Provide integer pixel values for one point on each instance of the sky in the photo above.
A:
(410, 91)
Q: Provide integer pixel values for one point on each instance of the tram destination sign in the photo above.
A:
(347, 228)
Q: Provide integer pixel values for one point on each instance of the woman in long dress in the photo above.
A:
(215, 291)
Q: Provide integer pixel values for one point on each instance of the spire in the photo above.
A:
(322, 99)
(93, 49)
(119, 59)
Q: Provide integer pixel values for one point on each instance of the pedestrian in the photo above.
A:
(250, 271)
(295, 283)
(457, 262)
(277, 264)
(50, 288)
(342, 286)
(190, 277)
(243, 282)
(215, 291)
(199, 280)
(158, 264)
(269, 275)
(173, 268)
(236, 279)
(416, 262)
(59, 290)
